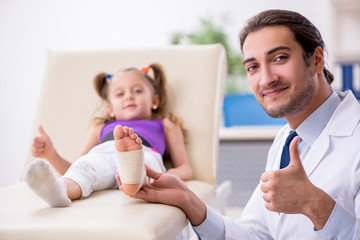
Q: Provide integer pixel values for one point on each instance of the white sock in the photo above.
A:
(43, 181)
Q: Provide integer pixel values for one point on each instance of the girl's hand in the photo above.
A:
(42, 146)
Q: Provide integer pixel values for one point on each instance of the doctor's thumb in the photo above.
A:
(294, 152)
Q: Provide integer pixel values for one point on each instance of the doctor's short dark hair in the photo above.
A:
(305, 32)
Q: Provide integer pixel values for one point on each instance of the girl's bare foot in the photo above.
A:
(131, 161)
(126, 139)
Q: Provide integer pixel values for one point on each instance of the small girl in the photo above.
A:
(136, 130)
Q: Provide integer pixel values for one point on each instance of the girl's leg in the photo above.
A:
(43, 181)
(93, 171)
(130, 159)
(73, 189)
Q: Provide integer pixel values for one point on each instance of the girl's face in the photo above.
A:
(131, 97)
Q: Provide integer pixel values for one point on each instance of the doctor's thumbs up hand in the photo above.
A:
(289, 190)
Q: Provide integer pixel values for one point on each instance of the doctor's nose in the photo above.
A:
(267, 77)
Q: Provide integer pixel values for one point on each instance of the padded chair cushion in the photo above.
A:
(109, 214)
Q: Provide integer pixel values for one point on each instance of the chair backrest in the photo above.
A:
(195, 74)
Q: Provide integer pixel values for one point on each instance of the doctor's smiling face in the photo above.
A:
(284, 83)
(277, 72)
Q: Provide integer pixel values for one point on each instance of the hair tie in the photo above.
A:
(145, 69)
(109, 76)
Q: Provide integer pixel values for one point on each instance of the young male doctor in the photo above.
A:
(313, 192)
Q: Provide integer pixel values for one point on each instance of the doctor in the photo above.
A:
(315, 195)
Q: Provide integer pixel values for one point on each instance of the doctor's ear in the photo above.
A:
(317, 60)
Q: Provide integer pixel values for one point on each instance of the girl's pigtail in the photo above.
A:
(101, 85)
(160, 87)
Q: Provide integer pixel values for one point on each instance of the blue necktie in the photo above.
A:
(285, 156)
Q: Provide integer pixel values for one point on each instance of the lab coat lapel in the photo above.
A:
(342, 123)
(317, 152)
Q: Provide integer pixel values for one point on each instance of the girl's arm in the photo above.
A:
(178, 153)
(42, 147)
(92, 139)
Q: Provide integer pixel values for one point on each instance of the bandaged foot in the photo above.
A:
(43, 181)
(130, 159)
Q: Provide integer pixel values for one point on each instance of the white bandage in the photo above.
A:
(131, 167)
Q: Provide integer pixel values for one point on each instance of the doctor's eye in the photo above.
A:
(280, 58)
(252, 68)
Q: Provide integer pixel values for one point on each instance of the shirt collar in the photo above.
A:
(311, 127)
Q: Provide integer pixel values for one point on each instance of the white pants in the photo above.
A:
(97, 169)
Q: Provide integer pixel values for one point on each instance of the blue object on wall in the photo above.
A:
(244, 110)
(348, 78)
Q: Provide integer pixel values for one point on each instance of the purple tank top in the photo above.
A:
(150, 131)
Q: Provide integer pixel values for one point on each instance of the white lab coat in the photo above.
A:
(332, 164)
